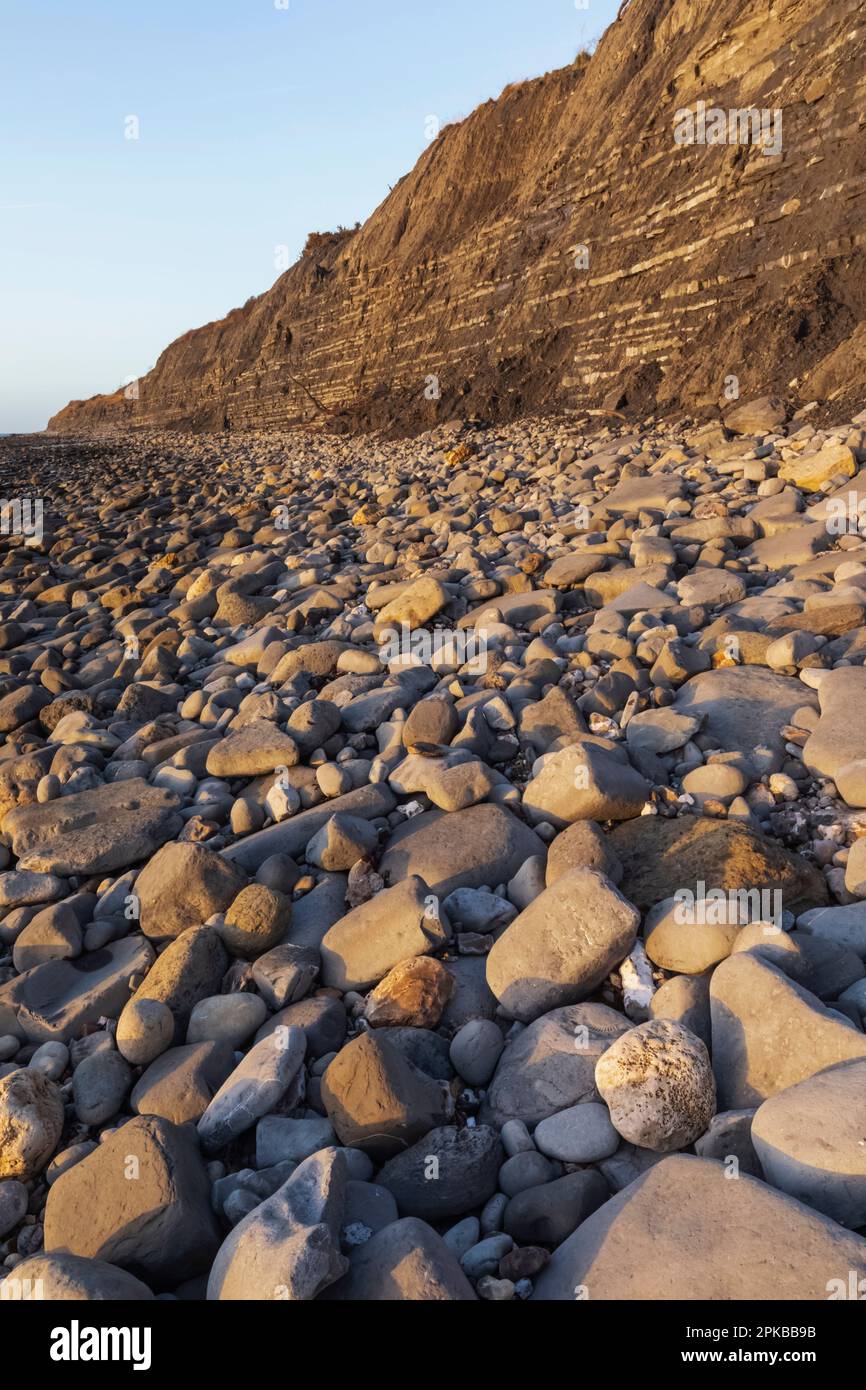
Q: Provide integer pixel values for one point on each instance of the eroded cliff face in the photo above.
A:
(704, 261)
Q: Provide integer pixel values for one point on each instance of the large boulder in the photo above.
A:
(483, 845)
(288, 1247)
(96, 831)
(661, 858)
(585, 782)
(636, 494)
(685, 1231)
(744, 707)
(415, 605)
(839, 738)
(182, 886)
(378, 1101)
(768, 1033)
(54, 1001)
(562, 945)
(554, 717)
(141, 1200)
(582, 845)
(811, 1140)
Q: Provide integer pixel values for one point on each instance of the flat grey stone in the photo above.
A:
(744, 706)
(253, 1088)
(53, 1002)
(94, 832)
(292, 836)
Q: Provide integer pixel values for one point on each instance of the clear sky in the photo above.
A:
(258, 122)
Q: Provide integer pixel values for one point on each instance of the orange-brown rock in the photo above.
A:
(413, 995)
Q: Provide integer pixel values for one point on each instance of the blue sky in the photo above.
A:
(257, 124)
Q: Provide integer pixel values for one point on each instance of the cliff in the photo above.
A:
(704, 261)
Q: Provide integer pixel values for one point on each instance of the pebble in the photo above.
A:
(14, 1200)
(144, 1030)
(581, 1134)
(475, 1050)
(100, 1085)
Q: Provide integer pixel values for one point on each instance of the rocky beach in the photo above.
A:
(430, 868)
